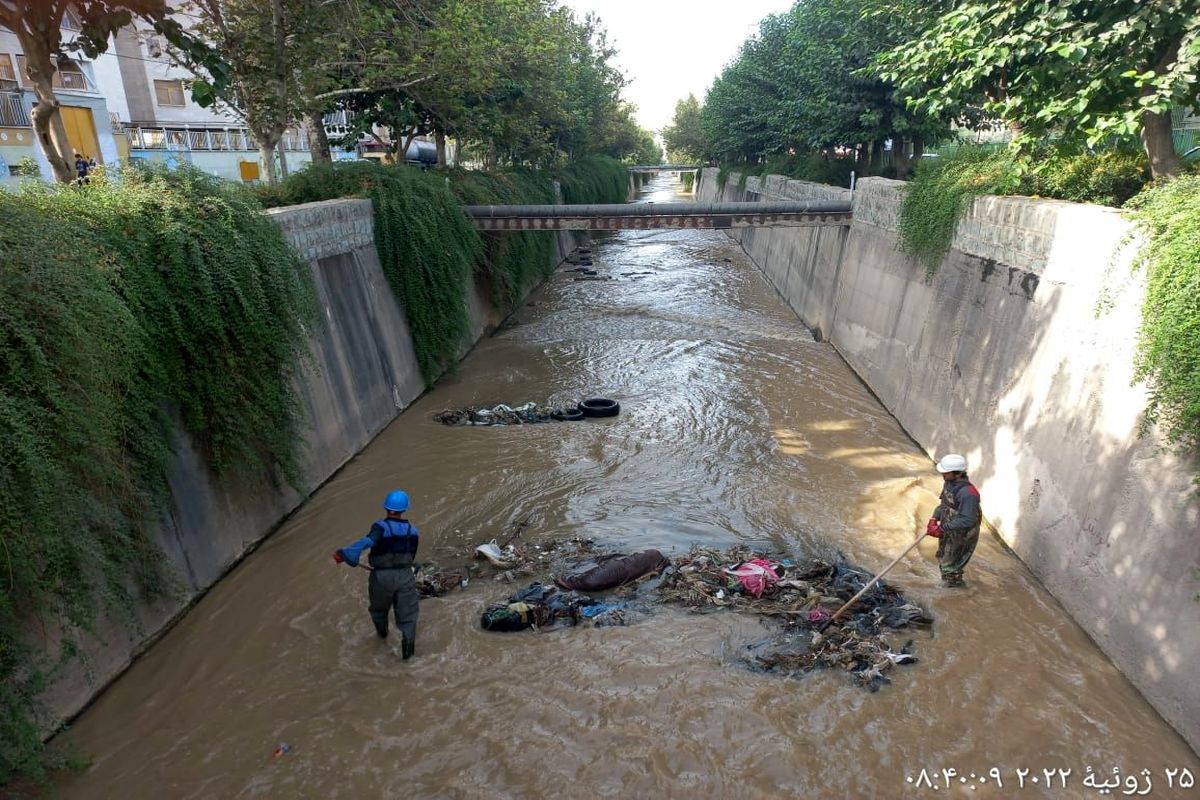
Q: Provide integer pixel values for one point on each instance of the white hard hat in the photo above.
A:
(952, 463)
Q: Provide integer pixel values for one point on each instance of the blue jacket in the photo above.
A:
(392, 542)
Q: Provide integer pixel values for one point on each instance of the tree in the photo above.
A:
(684, 137)
(798, 86)
(1077, 68)
(38, 27)
(277, 52)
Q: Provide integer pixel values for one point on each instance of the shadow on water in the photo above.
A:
(736, 426)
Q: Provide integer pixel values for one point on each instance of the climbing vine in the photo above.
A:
(1168, 354)
(124, 306)
(941, 191)
(428, 247)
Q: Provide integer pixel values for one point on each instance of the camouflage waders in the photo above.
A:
(960, 516)
(955, 549)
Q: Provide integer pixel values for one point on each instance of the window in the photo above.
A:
(70, 20)
(7, 73)
(169, 93)
(69, 75)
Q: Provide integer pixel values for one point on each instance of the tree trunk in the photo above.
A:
(918, 149)
(439, 138)
(318, 141)
(1160, 147)
(267, 153)
(1156, 126)
(491, 155)
(47, 121)
(900, 160)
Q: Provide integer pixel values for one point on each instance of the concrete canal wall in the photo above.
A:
(362, 374)
(1003, 355)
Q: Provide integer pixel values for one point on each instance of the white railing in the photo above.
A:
(12, 111)
(147, 137)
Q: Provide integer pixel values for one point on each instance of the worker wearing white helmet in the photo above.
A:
(955, 522)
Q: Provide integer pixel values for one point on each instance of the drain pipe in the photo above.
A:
(851, 180)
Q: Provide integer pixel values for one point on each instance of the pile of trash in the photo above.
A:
(540, 606)
(802, 598)
(497, 415)
(434, 582)
(517, 558)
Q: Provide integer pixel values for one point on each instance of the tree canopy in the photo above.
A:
(684, 137)
(799, 85)
(1073, 68)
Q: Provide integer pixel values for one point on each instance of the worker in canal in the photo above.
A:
(956, 520)
(392, 586)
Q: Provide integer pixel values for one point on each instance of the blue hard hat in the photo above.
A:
(396, 501)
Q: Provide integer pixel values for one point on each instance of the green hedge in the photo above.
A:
(1107, 178)
(121, 306)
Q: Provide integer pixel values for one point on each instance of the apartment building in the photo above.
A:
(129, 104)
(91, 96)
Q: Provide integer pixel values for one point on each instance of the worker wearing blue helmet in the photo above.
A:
(392, 586)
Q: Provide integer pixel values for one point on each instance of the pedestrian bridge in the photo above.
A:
(641, 216)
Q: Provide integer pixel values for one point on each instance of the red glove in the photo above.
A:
(338, 558)
(934, 529)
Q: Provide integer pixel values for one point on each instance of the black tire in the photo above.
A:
(567, 414)
(600, 407)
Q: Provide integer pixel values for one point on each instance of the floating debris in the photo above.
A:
(432, 582)
(802, 599)
(501, 414)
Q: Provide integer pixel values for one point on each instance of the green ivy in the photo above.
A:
(428, 247)
(941, 191)
(596, 179)
(122, 306)
(1168, 355)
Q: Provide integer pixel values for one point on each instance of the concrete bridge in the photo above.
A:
(640, 216)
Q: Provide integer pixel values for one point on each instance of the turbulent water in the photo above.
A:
(735, 427)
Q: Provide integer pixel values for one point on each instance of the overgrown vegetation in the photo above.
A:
(940, 191)
(595, 180)
(122, 307)
(943, 188)
(427, 246)
(1168, 355)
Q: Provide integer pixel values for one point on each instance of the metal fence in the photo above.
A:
(12, 111)
(144, 137)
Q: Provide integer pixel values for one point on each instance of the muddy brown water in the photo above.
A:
(735, 426)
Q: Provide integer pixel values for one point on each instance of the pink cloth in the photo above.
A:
(819, 615)
(756, 575)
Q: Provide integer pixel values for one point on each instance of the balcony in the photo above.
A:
(144, 137)
(12, 111)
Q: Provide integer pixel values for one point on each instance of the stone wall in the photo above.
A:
(1003, 356)
(362, 374)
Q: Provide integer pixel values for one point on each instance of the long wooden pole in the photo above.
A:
(873, 581)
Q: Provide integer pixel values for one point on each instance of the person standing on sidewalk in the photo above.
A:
(392, 586)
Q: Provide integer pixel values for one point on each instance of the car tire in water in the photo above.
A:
(566, 414)
(600, 407)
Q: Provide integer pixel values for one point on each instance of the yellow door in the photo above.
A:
(81, 131)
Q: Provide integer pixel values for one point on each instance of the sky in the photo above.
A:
(669, 48)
